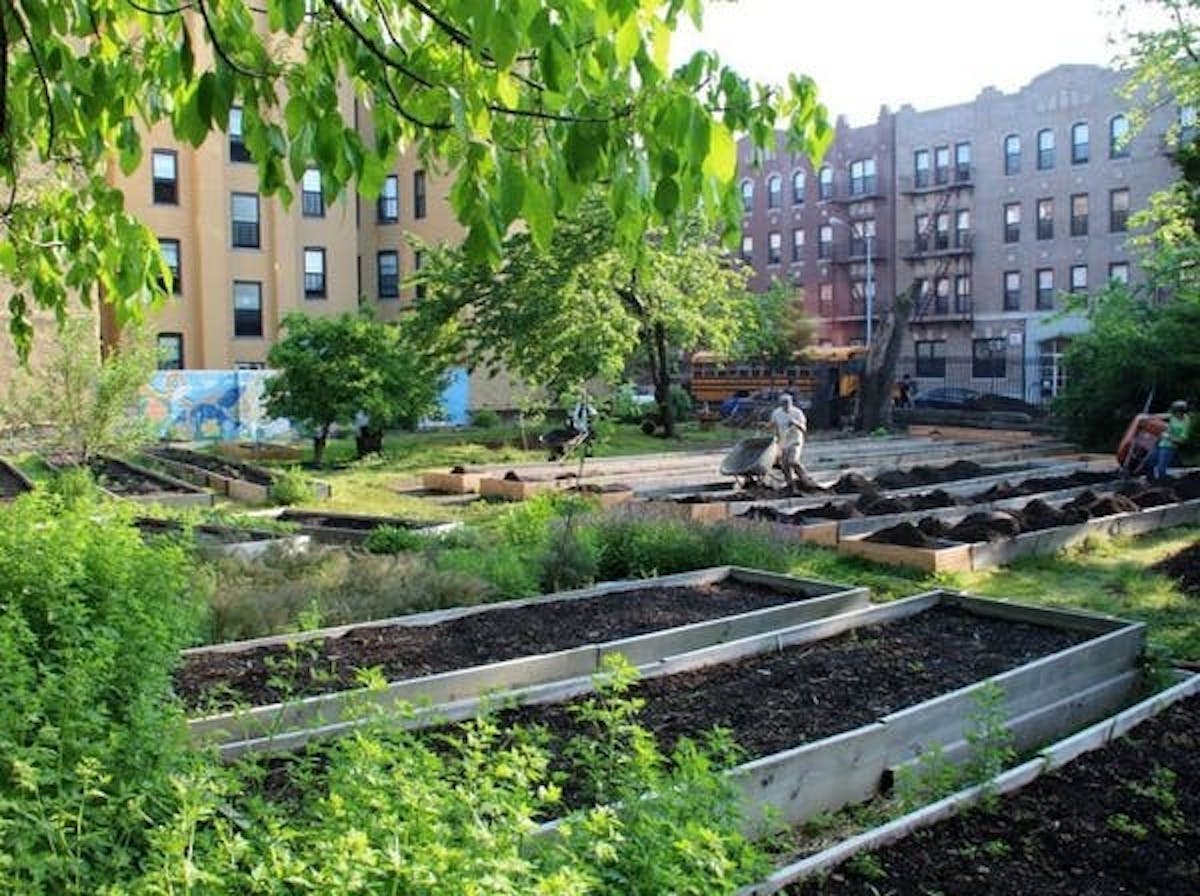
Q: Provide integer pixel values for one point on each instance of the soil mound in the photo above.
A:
(1187, 487)
(831, 511)
(936, 498)
(933, 527)
(880, 506)
(853, 483)
(458, 469)
(1183, 567)
(994, 526)
(1037, 514)
(1111, 504)
(997, 492)
(1154, 497)
(511, 476)
(897, 479)
(904, 534)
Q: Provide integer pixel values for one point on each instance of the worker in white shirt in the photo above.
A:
(790, 425)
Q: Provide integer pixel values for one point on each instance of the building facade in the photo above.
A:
(990, 214)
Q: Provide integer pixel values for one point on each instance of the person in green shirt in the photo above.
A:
(1167, 453)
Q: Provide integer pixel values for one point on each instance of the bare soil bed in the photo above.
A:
(11, 485)
(996, 525)
(356, 522)
(120, 478)
(274, 673)
(1184, 567)
(1121, 820)
(774, 701)
(229, 468)
(203, 534)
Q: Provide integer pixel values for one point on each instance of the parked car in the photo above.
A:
(951, 398)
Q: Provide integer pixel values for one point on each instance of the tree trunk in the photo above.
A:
(879, 375)
(368, 440)
(320, 437)
(660, 373)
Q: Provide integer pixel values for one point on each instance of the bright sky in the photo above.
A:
(929, 53)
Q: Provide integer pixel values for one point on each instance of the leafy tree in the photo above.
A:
(529, 102)
(328, 369)
(775, 328)
(80, 404)
(579, 309)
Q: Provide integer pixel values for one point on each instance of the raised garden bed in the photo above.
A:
(13, 482)
(457, 481)
(122, 479)
(352, 528)
(228, 541)
(513, 487)
(452, 654)
(1112, 809)
(985, 539)
(237, 479)
(827, 708)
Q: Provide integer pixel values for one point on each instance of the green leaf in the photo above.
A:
(512, 189)
(666, 197)
(538, 210)
(721, 161)
(629, 38)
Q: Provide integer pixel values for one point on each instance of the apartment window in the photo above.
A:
(170, 254)
(962, 229)
(798, 244)
(249, 365)
(748, 249)
(931, 358)
(314, 272)
(825, 182)
(988, 358)
(1045, 144)
(389, 200)
(825, 241)
(1079, 278)
(244, 217)
(1045, 289)
(962, 161)
(1079, 214)
(1081, 147)
(1118, 137)
(247, 308)
(858, 297)
(941, 164)
(774, 247)
(419, 201)
(1045, 219)
(798, 183)
(862, 237)
(237, 143)
(825, 300)
(387, 266)
(1012, 290)
(862, 177)
(941, 295)
(774, 191)
(164, 168)
(921, 232)
(1012, 222)
(921, 168)
(1118, 272)
(312, 203)
(941, 228)
(170, 351)
(921, 288)
(418, 266)
(962, 293)
(1118, 210)
(1012, 154)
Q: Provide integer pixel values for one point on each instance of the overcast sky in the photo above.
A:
(928, 53)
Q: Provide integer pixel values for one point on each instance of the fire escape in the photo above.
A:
(941, 252)
(862, 253)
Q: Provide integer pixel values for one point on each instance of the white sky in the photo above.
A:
(929, 53)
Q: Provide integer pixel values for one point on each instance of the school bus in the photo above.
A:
(711, 379)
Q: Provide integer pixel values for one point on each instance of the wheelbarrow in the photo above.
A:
(563, 441)
(754, 461)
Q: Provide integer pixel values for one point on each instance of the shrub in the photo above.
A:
(92, 623)
(485, 418)
(290, 486)
(75, 486)
(394, 540)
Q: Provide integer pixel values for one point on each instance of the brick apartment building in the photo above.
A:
(992, 210)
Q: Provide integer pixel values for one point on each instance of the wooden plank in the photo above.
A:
(950, 557)
(451, 483)
(515, 490)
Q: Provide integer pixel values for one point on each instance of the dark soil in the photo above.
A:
(592, 489)
(904, 534)
(122, 479)
(316, 519)
(1184, 567)
(1121, 820)
(774, 701)
(204, 533)
(230, 468)
(1039, 484)
(458, 469)
(11, 485)
(256, 676)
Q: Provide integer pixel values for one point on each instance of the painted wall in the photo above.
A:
(227, 405)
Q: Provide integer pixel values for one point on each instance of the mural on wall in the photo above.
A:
(227, 406)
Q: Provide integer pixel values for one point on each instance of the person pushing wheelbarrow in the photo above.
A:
(790, 426)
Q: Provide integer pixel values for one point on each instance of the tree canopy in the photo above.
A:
(529, 102)
(329, 369)
(579, 309)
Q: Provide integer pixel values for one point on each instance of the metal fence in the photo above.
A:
(999, 379)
